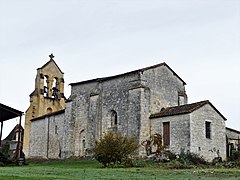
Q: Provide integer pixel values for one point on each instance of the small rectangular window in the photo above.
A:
(181, 100)
(208, 129)
(56, 129)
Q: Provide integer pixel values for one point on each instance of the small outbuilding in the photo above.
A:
(197, 128)
(233, 140)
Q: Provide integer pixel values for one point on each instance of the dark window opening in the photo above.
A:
(45, 84)
(55, 91)
(208, 129)
(49, 110)
(83, 147)
(181, 100)
(56, 129)
(166, 133)
(114, 120)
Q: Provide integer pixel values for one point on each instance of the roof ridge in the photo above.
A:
(49, 114)
(182, 109)
(134, 71)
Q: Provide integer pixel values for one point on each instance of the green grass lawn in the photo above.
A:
(87, 169)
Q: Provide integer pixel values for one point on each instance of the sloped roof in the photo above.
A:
(51, 60)
(131, 72)
(7, 113)
(12, 133)
(49, 114)
(184, 109)
(233, 130)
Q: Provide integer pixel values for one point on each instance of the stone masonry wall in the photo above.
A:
(232, 134)
(92, 104)
(67, 145)
(161, 89)
(199, 143)
(133, 96)
(46, 137)
(38, 138)
(56, 128)
(233, 138)
(164, 88)
(80, 118)
(179, 131)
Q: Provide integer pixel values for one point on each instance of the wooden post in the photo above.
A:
(19, 139)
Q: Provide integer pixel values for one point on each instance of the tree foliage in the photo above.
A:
(114, 149)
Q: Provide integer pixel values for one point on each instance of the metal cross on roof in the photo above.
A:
(51, 56)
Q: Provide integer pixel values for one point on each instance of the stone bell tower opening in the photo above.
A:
(45, 86)
(47, 97)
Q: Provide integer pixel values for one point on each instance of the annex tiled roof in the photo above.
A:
(131, 72)
(184, 109)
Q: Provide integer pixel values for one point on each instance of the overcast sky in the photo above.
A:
(198, 39)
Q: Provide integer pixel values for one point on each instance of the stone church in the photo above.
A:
(137, 103)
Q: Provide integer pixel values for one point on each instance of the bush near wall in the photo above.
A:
(115, 149)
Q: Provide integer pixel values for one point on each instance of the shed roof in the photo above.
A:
(184, 109)
(131, 72)
(49, 114)
(7, 112)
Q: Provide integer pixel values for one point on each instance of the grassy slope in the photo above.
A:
(79, 169)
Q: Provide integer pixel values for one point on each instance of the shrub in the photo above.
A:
(4, 160)
(189, 158)
(5, 148)
(235, 156)
(114, 149)
(231, 164)
(170, 155)
(178, 165)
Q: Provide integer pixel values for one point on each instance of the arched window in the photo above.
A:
(49, 110)
(55, 82)
(114, 120)
(45, 86)
(54, 88)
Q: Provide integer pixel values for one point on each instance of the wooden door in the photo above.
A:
(166, 133)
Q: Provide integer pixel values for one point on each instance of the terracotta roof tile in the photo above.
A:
(184, 109)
